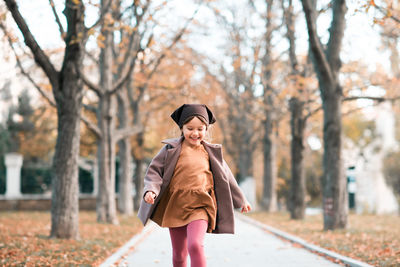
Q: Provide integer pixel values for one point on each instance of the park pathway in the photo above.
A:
(250, 246)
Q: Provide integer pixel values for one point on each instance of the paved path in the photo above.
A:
(250, 246)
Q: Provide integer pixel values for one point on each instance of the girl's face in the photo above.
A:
(194, 132)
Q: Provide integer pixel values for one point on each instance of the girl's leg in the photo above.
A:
(179, 246)
(195, 235)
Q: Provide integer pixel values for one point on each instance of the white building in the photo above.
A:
(372, 194)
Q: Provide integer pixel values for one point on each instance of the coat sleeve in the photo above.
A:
(153, 178)
(238, 197)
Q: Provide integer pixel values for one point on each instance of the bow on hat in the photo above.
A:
(185, 111)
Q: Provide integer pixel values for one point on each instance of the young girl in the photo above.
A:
(190, 189)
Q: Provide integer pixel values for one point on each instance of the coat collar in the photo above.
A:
(214, 150)
(173, 141)
(177, 141)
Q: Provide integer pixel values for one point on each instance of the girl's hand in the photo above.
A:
(246, 207)
(149, 197)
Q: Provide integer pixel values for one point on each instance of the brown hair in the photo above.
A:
(199, 117)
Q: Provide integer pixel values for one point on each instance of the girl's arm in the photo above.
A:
(153, 178)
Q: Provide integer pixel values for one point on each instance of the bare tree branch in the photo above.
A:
(167, 101)
(127, 132)
(101, 17)
(93, 127)
(118, 85)
(90, 108)
(88, 123)
(23, 71)
(90, 56)
(386, 13)
(91, 85)
(378, 99)
(40, 57)
(124, 77)
(352, 98)
(129, 56)
(61, 28)
(315, 43)
(176, 39)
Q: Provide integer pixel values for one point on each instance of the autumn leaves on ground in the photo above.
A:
(24, 238)
(370, 238)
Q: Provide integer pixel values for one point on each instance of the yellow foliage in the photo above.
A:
(355, 127)
(91, 31)
(76, 2)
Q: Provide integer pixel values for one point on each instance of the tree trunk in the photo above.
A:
(269, 196)
(65, 188)
(297, 192)
(327, 65)
(243, 137)
(245, 162)
(139, 165)
(125, 200)
(67, 90)
(334, 182)
(106, 206)
(391, 42)
(298, 188)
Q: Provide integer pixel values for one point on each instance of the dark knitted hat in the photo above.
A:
(185, 111)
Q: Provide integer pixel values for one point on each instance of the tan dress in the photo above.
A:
(190, 195)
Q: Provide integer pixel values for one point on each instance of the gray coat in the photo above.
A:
(227, 191)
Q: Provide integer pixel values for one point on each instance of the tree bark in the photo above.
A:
(245, 162)
(139, 159)
(297, 191)
(125, 200)
(65, 188)
(67, 90)
(269, 197)
(334, 182)
(139, 167)
(106, 206)
(327, 65)
(297, 203)
(243, 139)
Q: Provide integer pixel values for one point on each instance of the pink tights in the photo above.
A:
(189, 238)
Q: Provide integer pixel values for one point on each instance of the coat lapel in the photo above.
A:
(216, 160)
(171, 158)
